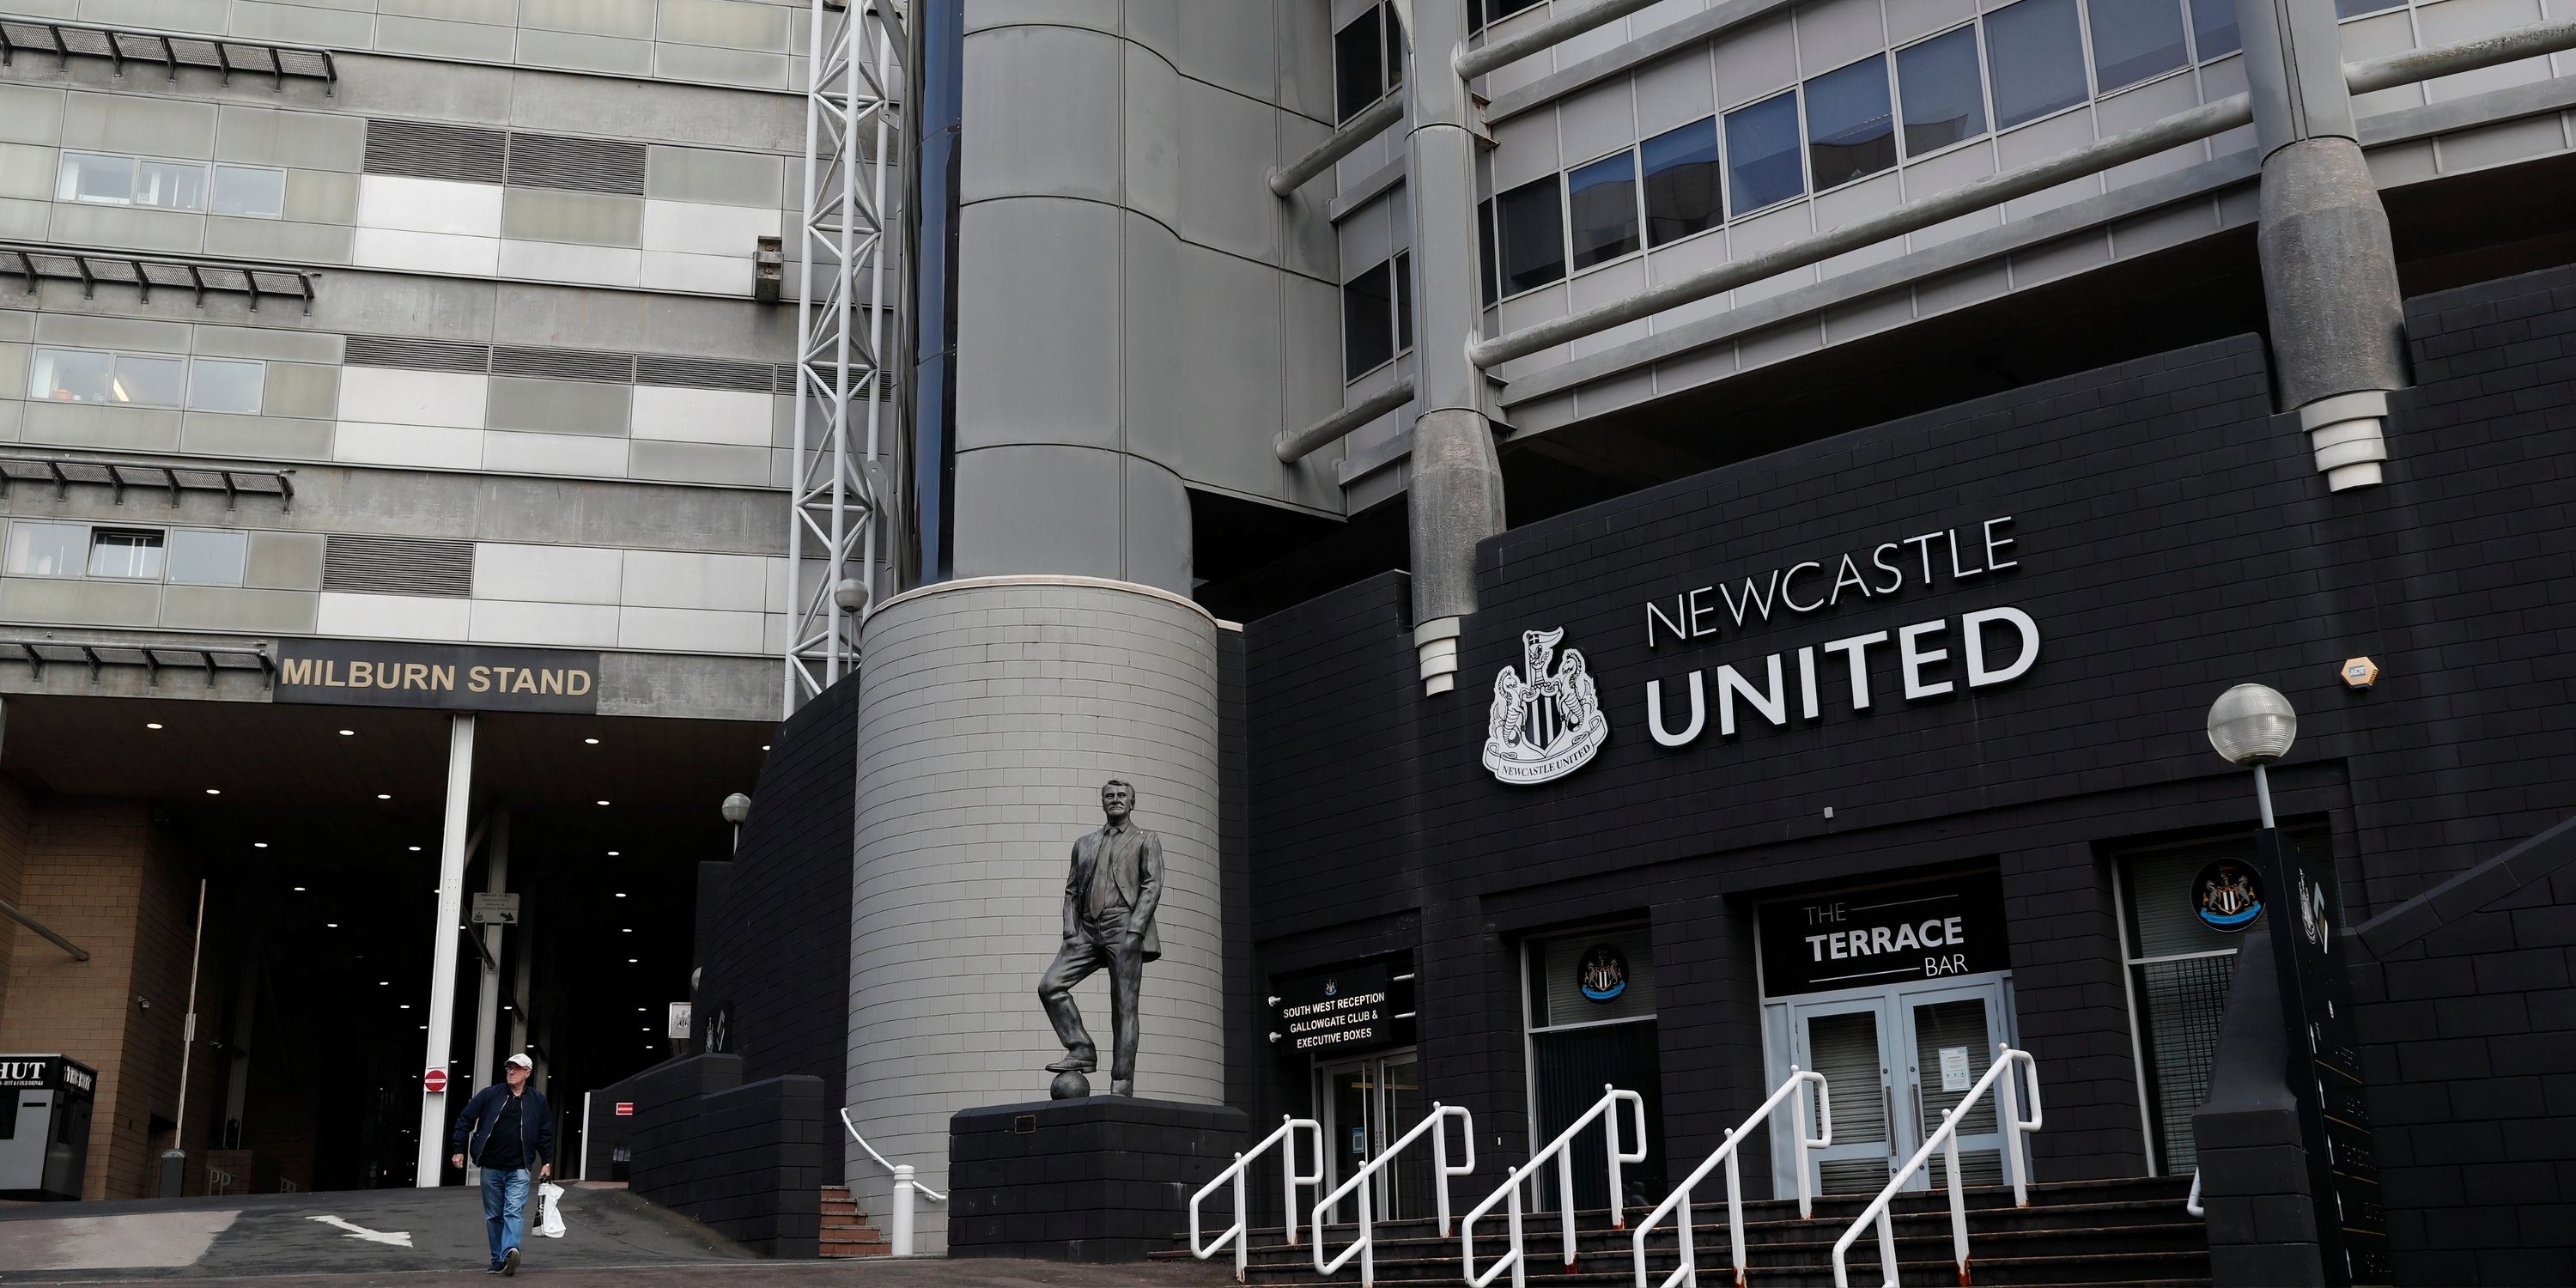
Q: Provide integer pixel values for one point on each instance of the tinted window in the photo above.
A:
(1533, 234)
(1762, 153)
(243, 191)
(1386, 16)
(125, 552)
(149, 381)
(1403, 302)
(201, 558)
(1368, 321)
(1359, 65)
(2213, 28)
(1602, 197)
(2036, 55)
(48, 549)
(1850, 130)
(2134, 39)
(1944, 99)
(1682, 186)
(216, 384)
(1486, 246)
(2356, 8)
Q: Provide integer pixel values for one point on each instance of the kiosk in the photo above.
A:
(44, 1125)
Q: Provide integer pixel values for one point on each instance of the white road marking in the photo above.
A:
(399, 1238)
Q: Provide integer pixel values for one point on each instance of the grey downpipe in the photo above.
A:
(1472, 63)
(1294, 445)
(1341, 143)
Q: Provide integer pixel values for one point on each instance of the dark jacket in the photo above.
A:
(1135, 859)
(483, 1112)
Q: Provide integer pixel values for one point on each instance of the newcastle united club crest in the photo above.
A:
(1544, 726)
(1603, 975)
(2227, 896)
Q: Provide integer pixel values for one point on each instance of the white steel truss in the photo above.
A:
(853, 135)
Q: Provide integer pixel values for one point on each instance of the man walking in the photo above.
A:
(507, 1130)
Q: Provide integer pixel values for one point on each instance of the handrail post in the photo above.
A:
(1886, 1248)
(1368, 1237)
(1798, 1152)
(900, 1238)
(1512, 1218)
(1440, 1164)
(2008, 1117)
(1288, 1179)
(1958, 1197)
(1242, 1223)
(1610, 1137)
(1565, 1201)
(1734, 1210)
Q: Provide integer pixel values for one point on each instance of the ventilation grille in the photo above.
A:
(398, 566)
(590, 165)
(419, 151)
(415, 355)
(563, 364)
(704, 373)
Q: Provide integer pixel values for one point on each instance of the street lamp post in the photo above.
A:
(737, 807)
(2252, 725)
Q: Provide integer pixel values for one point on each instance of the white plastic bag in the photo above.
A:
(550, 1210)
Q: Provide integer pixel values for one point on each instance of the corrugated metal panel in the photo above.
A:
(702, 373)
(415, 354)
(417, 150)
(589, 165)
(563, 364)
(398, 566)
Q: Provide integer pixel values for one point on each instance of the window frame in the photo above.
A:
(2084, 52)
(1376, 15)
(82, 544)
(87, 544)
(187, 378)
(170, 551)
(1726, 152)
(2093, 68)
(1502, 259)
(1717, 132)
(159, 544)
(1895, 123)
(1636, 211)
(1985, 93)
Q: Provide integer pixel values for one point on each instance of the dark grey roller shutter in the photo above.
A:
(417, 150)
(587, 165)
(398, 566)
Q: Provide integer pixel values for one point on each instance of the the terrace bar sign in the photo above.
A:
(1885, 935)
(364, 673)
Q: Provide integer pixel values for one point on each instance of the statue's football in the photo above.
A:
(1070, 1086)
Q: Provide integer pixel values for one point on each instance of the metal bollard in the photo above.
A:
(901, 1233)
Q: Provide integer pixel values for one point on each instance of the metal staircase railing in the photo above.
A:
(1561, 1149)
(2008, 1122)
(899, 1221)
(1792, 1092)
(1364, 1247)
(1240, 1233)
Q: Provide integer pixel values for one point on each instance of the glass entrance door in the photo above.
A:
(1893, 1063)
(1365, 1104)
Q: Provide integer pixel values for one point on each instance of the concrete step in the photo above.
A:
(2120, 1268)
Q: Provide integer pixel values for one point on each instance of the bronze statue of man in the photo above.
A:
(1109, 902)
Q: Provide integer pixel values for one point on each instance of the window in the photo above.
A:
(1762, 153)
(1359, 65)
(1945, 99)
(2035, 53)
(1481, 12)
(2213, 29)
(1404, 302)
(70, 375)
(125, 552)
(241, 190)
(102, 179)
(1682, 186)
(2134, 39)
(1603, 199)
(1368, 320)
(2356, 8)
(218, 384)
(90, 177)
(2179, 971)
(1590, 998)
(1488, 252)
(48, 549)
(203, 558)
(1531, 220)
(1851, 130)
(149, 380)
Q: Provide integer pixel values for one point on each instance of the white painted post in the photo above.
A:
(2008, 1117)
(442, 969)
(900, 1231)
(585, 1133)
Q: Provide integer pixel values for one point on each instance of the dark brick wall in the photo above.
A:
(2173, 539)
(744, 1157)
(778, 954)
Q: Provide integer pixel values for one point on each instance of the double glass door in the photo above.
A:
(1893, 1063)
(1365, 1105)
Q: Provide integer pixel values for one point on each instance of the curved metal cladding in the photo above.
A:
(990, 712)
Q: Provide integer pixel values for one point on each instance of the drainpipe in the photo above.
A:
(1456, 492)
(2329, 270)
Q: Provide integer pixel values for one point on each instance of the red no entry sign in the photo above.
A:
(625, 1108)
(434, 1081)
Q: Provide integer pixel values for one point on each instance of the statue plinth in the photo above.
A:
(1100, 1178)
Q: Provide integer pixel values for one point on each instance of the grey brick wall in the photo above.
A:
(990, 712)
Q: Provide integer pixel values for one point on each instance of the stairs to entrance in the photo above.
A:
(2118, 1232)
(846, 1232)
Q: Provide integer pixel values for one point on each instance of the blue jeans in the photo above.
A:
(505, 1208)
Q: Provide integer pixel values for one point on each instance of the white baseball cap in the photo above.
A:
(522, 1060)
